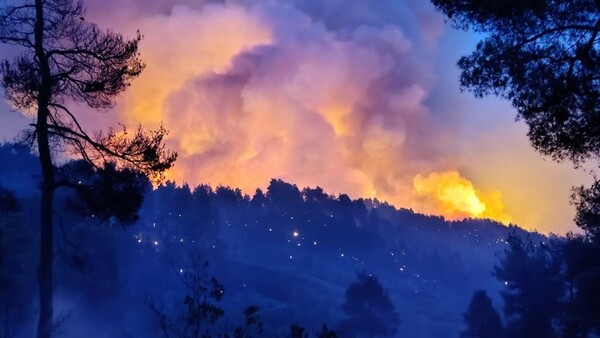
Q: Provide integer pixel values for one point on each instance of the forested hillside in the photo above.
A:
(291, 252)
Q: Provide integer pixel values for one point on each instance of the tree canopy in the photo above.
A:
(65, 60)
(543, 56)
(531, 273)
(370, 311)
(483, 321)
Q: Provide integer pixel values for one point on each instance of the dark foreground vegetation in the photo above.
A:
(279, 258)
(88, 249)
(283, 262)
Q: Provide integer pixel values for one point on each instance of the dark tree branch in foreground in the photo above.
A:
(65, 59)
(543, 56)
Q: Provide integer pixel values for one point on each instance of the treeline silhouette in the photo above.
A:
(298, 259)
(551, 289)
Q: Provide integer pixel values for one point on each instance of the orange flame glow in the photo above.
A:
(287, 99)
(455, 197)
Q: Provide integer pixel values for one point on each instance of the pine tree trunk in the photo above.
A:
(45, 265)
(48, 187)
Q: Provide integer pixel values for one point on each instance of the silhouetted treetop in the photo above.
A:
(107, 194)
(65, 59)
(281, 192)
(531, 273)
(543, 56)
(587, 217)
(85, 64)
(370, 311)
(483, 321)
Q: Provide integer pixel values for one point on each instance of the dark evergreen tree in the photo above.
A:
(106, 194)
(284, 194)
(534, 289)
(64, 59)
(325, 332)
(259, 199)
(581, 314)
(370, 310)
(587, 217)
(543, 56)
(17, 270)
(483, 321)
(297, 331)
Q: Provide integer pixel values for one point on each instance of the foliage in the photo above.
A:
(483, 321)
(534, 289)
(325, 332)
(113, 269)
(63, 60)
(67, 60)
(587, 201)
(106, 194)
(199, 304)
(16, 272)
(582, 278)
(543, 56)
(369, 308)
(286, 194)
(253, 325)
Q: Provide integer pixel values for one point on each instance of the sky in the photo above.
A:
(355, 96)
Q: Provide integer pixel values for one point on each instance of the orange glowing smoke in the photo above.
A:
(455, 197)
(285, 98)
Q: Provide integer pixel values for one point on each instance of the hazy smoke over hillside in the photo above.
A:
(333, 94)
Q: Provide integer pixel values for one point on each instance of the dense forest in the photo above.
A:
(285, 256)
(103, 247)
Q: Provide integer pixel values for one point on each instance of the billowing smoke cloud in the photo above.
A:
(328, 93)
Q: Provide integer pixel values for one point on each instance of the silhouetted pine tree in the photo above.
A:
(370, 310)
(483, 321)
(532, 298)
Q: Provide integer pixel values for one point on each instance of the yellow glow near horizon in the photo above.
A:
(243, 107)
(456, 198)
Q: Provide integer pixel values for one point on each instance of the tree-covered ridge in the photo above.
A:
(292, 252)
